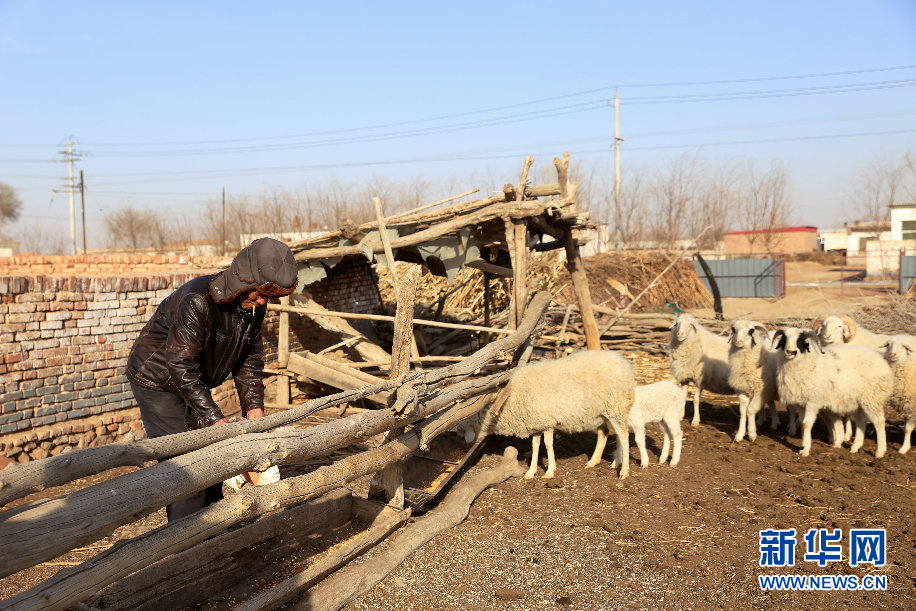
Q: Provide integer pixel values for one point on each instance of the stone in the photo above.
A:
(507, 594)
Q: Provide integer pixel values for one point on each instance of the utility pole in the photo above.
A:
(72, 213)
(83, 208)
(618, 238)
(70, 157)
(222, 231)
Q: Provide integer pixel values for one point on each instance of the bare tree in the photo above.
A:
(766, 205)
(42, 238)
(714, 204)
(634, 208)
(909, 176)
(10, 204)
(878, 185)
(135, 229)
(413, 194)
(673, 193)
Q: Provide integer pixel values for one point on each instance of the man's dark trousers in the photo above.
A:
(164, 413)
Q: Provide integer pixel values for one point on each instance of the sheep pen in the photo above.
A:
(684, 537)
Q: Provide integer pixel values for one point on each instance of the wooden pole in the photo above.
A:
(574, 265)
(352, 581)
(17, 480)
(77, 583)
(386, 523)
(510, 246)
(388, 484)
(518, 248)
(392, 269)
(432, 205)
(386, 244)
(382, 317)
(282, 382)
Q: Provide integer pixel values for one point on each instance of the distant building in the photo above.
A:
(779, 240)
(9, 248)
(903, 221)
(833, 239)
(860, 234)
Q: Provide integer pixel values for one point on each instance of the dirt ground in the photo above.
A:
(684, 537)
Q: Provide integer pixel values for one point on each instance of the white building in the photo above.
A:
(903, 221)
(833, 239)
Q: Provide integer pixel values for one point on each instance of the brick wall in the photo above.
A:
(791, 240)
(116, 264)
(64, 341)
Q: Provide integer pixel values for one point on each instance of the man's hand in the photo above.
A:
(220, 421)
(255, 413)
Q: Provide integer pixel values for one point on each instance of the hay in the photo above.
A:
(636, 269)
(547, 272)
(898, 316)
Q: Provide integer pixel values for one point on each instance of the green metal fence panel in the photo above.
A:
(907, 272)
(746, 277)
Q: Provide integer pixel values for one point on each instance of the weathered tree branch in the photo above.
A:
(352, 581)
(78, 583)
(36, 533)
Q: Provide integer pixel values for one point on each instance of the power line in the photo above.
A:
(567, 141)
(506, 120)
(608, 88)
(232, 172)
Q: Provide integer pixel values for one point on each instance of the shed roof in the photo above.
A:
(448, 238)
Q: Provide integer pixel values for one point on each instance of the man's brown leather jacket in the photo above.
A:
(192, 344)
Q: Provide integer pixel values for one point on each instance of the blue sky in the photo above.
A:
(172, 101)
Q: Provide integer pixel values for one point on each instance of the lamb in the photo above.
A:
(700, 356)
(587, 391)
(900, 353)
(752, 374)
(842, 380)
(661, 402)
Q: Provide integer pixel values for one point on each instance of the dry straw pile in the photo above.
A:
(611, 276)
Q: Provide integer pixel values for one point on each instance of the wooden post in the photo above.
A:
(510, 246)
(520, 239)
(388, 484)
(583, 296)
(283, 353)
(574, 264)
(520, 268)
(386, 244)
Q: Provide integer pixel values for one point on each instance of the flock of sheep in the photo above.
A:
(836, 369)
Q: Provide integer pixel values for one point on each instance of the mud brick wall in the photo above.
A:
(64, 341)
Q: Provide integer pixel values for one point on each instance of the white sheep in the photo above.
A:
(586, 391)
(900, 352)
(752, 374)
(661, 402)
(700, 356)
(834, 330)
(841, 380)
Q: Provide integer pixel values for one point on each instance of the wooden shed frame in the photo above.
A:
(485, 234)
